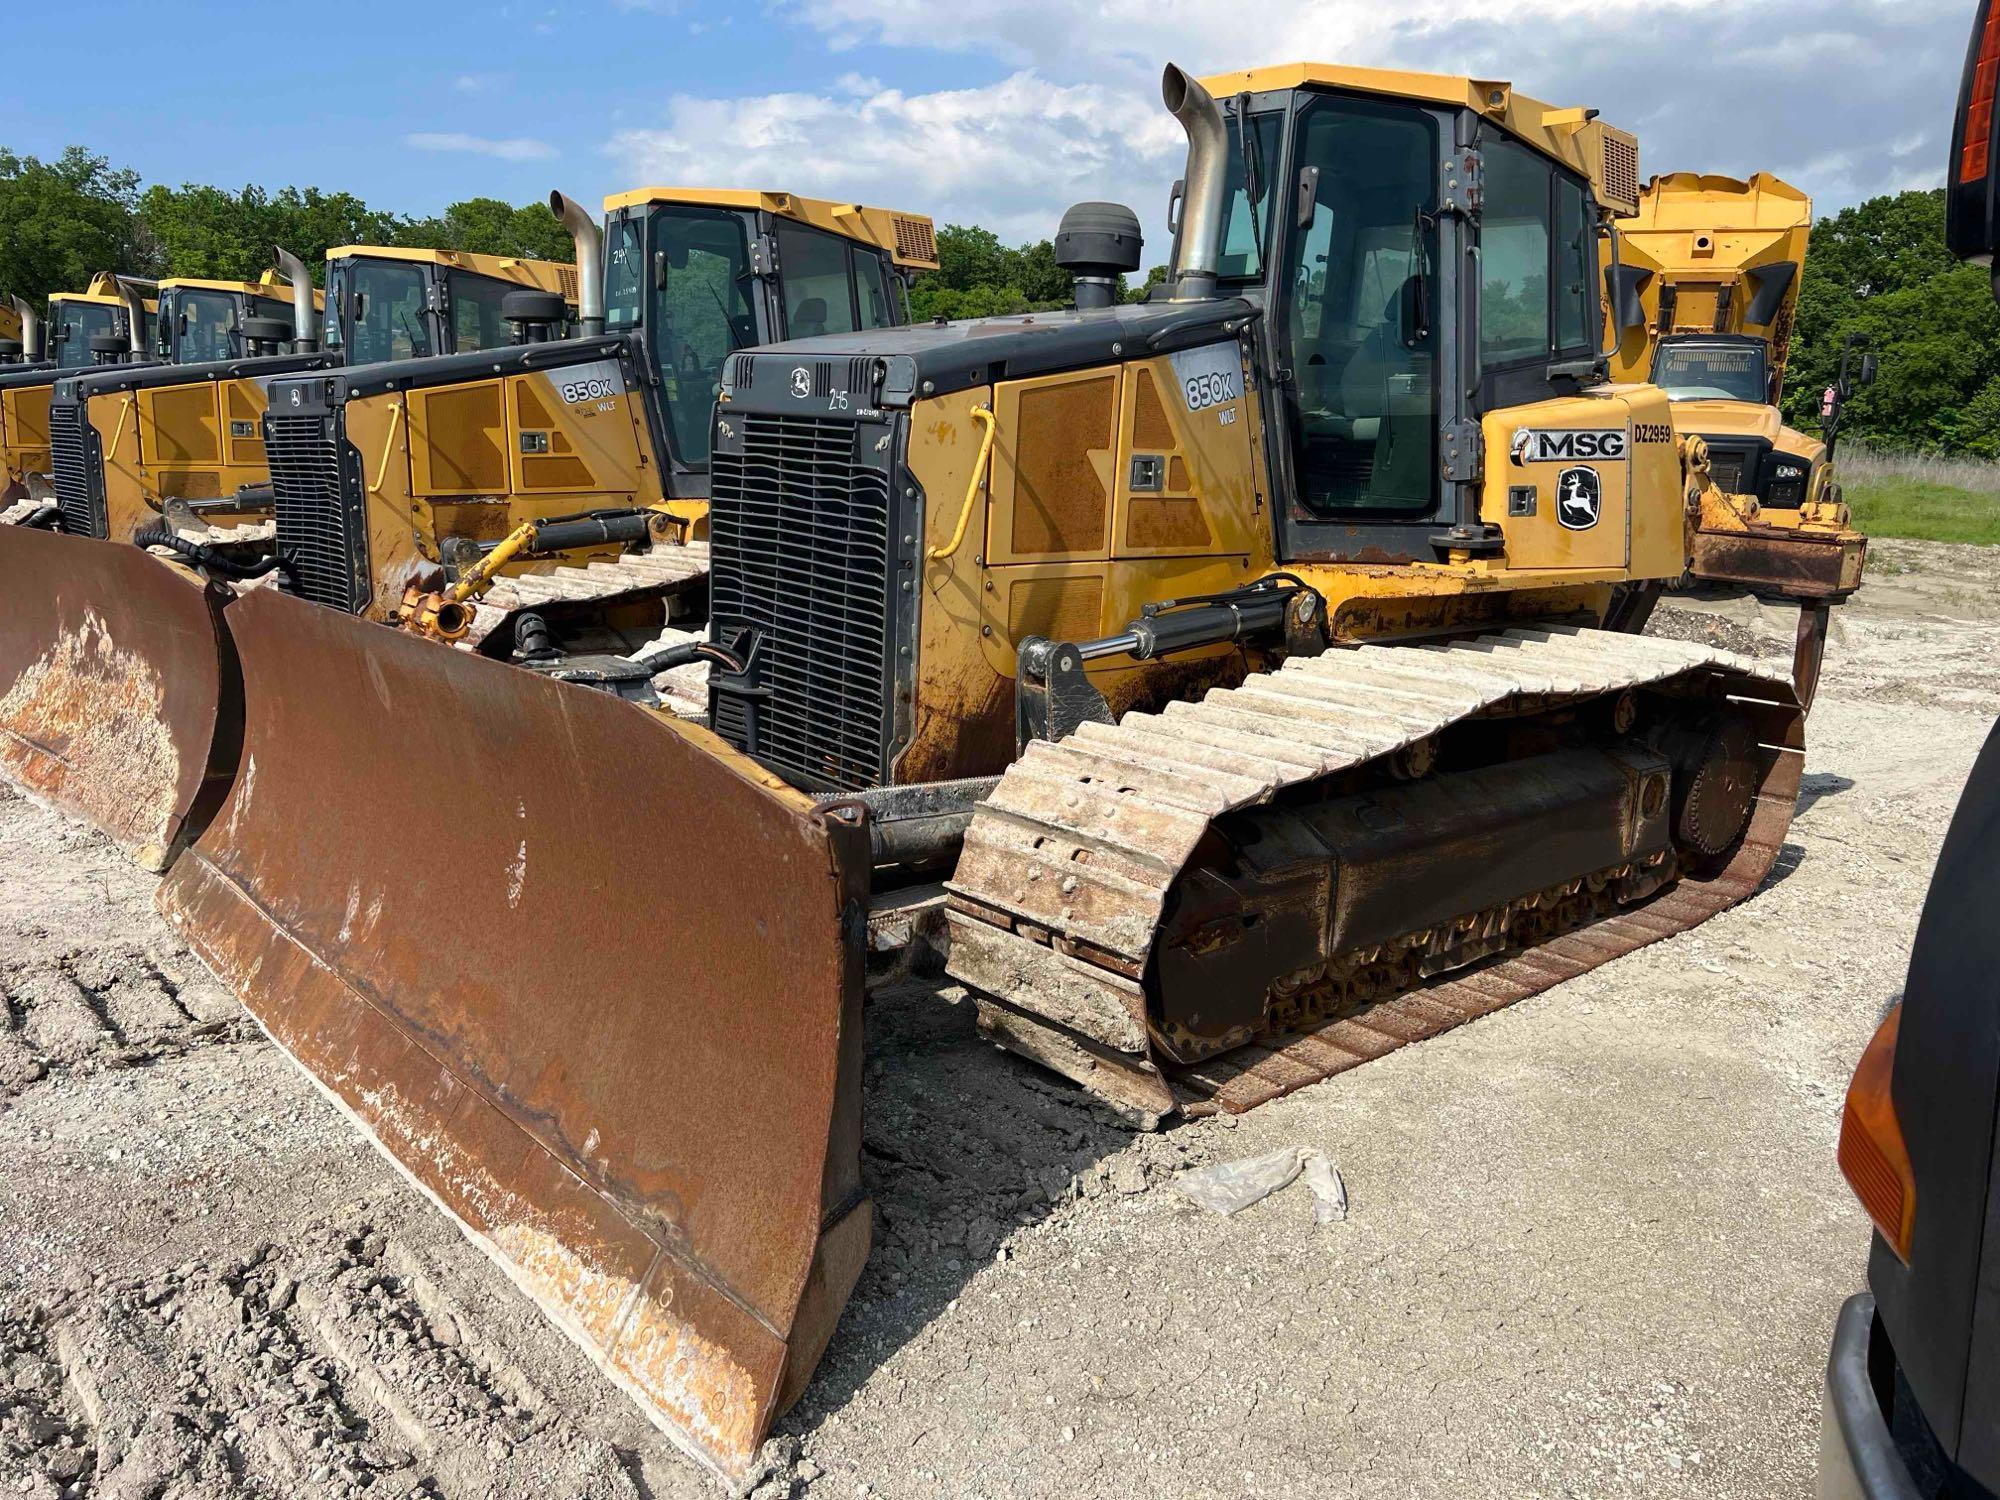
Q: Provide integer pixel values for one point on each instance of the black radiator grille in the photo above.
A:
(69, 456)
(1725, 469)
(318, 530)
(800, 535)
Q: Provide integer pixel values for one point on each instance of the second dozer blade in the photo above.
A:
(117, 696)
(587, 975)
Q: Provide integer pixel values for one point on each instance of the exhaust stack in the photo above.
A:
(1207, 162)
(589, 237)
(31, 329)
(135, 316)
(305, 327)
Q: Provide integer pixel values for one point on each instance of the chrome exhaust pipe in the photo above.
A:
(1207, 168)
(135, 315)
(305, 326)
(31, 329)
(589, 237)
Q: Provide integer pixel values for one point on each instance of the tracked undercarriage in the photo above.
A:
(1208, 907)
(676, 575)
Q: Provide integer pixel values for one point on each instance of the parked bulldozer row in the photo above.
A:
(1239, 684)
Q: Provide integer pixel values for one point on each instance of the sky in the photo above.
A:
(1000, 113)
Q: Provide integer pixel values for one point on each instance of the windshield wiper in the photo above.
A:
(1253, 175)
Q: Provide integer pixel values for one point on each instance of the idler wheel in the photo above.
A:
(1714, 788)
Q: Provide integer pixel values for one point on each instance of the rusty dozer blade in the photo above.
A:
(589, 977)
(118, 698)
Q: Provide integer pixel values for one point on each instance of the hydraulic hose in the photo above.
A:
(205, 557)
(688, 652)
(48, 518)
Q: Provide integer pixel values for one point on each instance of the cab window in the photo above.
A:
(1576, 246)
(475, 312)
(624, 273)
(819, 297)
(873, 286)
(389, 311)
(74, 328)
(1537, 253)
(1514, 238)
(1246, 235)
(701, 314)
(1358, 294)
(204, 327)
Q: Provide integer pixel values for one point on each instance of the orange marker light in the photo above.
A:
(1973, 153)
(1872, 1155)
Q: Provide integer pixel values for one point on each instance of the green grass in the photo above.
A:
(1923, 510)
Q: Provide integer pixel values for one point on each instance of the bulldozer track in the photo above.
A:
(666, 570)
(244, 534)
(1067, 866)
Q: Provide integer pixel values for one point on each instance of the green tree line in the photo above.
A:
(1880, 270)
(62, 221)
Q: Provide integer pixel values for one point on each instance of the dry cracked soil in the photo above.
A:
(1595, 1246)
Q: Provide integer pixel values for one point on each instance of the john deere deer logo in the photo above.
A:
(1579, 501)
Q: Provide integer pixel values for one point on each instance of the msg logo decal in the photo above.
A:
(1555, 445)
(582, 384)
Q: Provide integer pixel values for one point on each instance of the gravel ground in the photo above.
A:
(1595, 1246)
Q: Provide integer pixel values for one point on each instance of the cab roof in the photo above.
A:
(557, 276)
(1608, 156)
(910, 239)
(269, 285)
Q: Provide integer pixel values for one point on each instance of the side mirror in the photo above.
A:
(1867, 369)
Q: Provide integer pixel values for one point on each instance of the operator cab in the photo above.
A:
(705, 273)
(83, 326)
(200, 321)
(387, 303)
(1353, 220)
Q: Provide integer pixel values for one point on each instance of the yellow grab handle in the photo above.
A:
(123, 412)
(388, 447)
(984, 415)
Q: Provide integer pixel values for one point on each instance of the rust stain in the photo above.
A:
(85, 726)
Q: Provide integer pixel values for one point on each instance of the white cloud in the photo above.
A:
(1846, 98)
(1009, 155)
(1202, 34)
(511, 148)
(479, 83)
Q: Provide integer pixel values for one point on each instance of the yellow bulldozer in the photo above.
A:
(551, 507)
(91, 327)
(1250, 675)
(1708, 281)
(176, 452)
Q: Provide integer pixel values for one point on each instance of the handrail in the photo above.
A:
(388, 447)
(984, 415)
